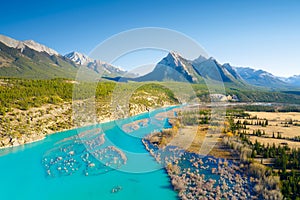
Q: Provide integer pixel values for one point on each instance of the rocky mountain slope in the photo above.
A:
(21, 45)
(176, 68)
(29, 59)
(172, 68)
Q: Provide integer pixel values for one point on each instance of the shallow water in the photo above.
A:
(24, 174)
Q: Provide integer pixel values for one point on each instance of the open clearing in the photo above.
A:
(277, 116)
(198, 139)
(277, 123)
(285, 125)
(277, 142)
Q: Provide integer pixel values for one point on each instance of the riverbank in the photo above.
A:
(21, 127)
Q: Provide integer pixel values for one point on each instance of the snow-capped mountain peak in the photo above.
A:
(172, 59)
(97, 65)
(79, 58)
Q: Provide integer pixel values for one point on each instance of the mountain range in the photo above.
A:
(176, 68)
(29, 59)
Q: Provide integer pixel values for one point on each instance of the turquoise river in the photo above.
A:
(62, 165)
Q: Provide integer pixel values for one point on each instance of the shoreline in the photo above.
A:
(30, 142)
(43, 136)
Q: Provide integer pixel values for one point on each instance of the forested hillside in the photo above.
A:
(30, 109)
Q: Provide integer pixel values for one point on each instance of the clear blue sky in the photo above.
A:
(256, 33)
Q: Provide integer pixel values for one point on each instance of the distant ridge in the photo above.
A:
(260, 78)
(293, 80)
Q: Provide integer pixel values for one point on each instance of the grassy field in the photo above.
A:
(277, 116)
(277, 142)
(284, 123)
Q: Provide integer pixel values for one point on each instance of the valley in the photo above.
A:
(231, 127)
(150, 100)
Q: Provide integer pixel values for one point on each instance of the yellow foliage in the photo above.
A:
(169, 166)
(226, 123)
(229, 134)
(224, 130)
(163, 141)
(175, 129)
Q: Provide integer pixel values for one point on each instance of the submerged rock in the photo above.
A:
(83, 153)
(116, 189)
